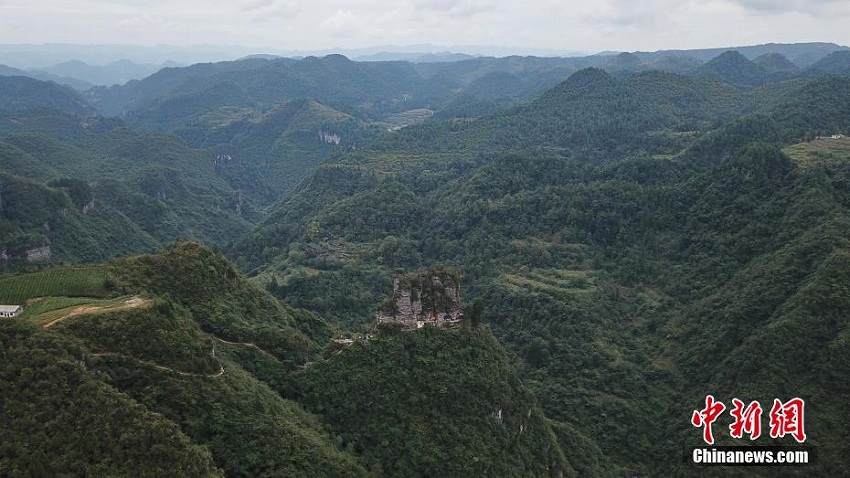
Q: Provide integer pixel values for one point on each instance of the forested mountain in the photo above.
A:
(632, 240)
(75, 186)
(77, 84)
(265, 155)
(836, 63)
(802, 54)
(776, 67)
(21, 95)
(186, 368)
(373, 90)
(114, 73)
(733, 67)
(628, 262)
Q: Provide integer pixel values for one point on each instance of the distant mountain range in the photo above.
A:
(115, 73)
(36, 57)
(82, 66)
(259, 126)
(81, 76)
(176, 97)
(75, 83)
(801, 54)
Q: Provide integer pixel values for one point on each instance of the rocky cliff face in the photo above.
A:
(38, 254)
(329, 138)
(425, 297)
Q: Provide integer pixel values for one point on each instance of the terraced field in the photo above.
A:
(820, 150)
(406, 118)
(54, 282)
(55, 294)
(557, 282)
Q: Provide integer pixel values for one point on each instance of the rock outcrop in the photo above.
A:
(426, 297)
(38, 254)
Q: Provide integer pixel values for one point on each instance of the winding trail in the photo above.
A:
(138, 302)
(161, 367)
(73, 313)
(248, 344)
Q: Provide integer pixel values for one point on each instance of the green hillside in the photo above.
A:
(88, 189)
(734, 68)
(59, 418)
(836, 63)
(633, 273)
(21, 95)
(434, 403)
(776, 66)
(203, 373)
(169, 371)
(266, 154)
(36, 216)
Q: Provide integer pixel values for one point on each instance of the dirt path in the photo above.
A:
(86, 309)
(73, 313)
(249, 344)
(162, 367)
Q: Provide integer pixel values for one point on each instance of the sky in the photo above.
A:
(587, 26)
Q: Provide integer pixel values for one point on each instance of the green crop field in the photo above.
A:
(59, 281)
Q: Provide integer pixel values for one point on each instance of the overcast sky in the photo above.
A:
(565, 25)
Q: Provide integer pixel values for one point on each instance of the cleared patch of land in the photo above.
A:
(48, 311)
(819, 150)
(406, 118)
(551, 281)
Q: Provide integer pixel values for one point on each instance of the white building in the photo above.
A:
(10, 310)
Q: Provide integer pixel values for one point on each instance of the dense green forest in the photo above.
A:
(203, 372)
(639, 242)
(638, 239)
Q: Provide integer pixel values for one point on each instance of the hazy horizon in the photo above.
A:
(329, 25)
(48, 54)
(34, 56)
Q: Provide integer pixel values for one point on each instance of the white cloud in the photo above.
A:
(455, 8)
(810, 7)
(270, 10)
(322, 24)
(343, 23)
(258, 5)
